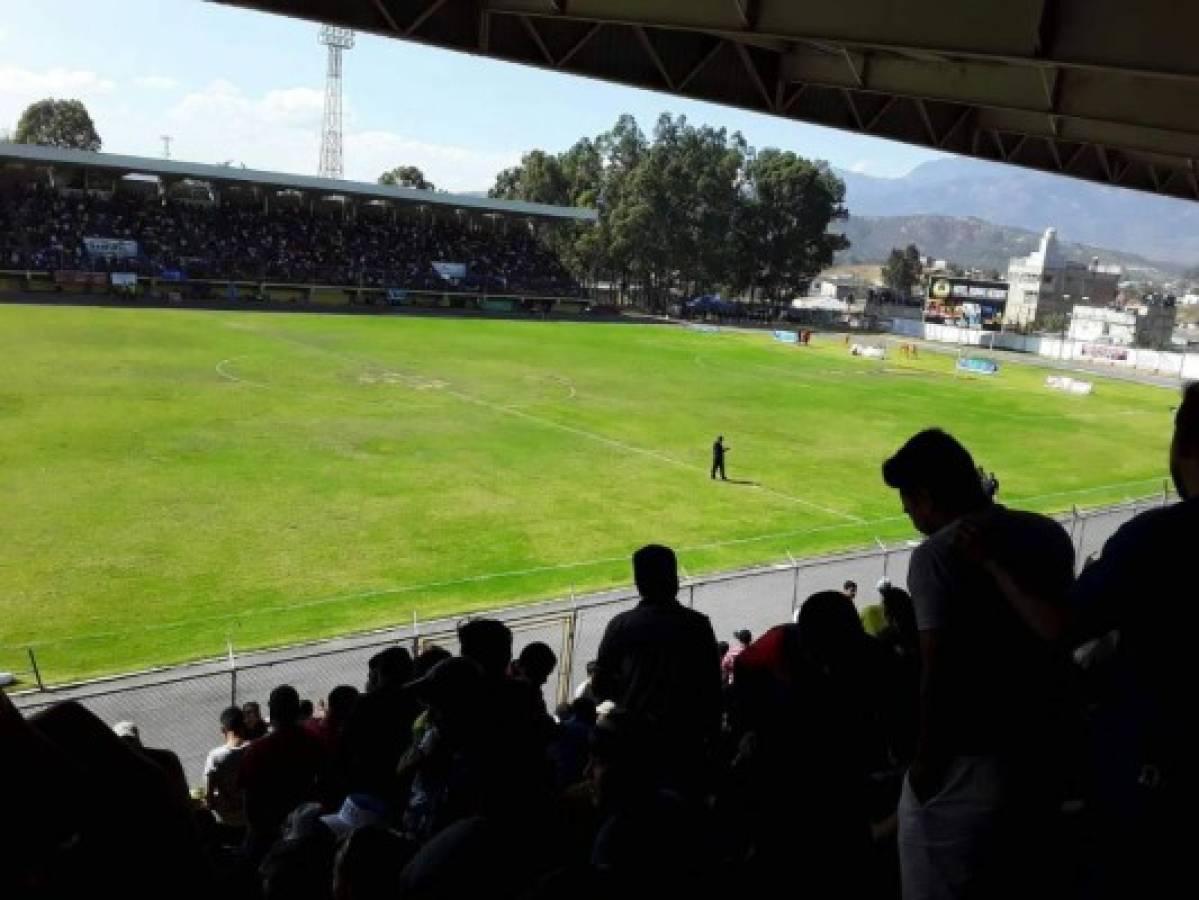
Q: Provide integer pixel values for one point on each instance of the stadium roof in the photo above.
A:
(174, 170)
(1105, 90)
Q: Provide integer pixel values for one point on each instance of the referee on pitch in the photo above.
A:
(718, 451)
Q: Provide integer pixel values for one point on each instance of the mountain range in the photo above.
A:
(1084, 213)
(973, 242)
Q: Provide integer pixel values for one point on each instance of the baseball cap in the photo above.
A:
(356, 811)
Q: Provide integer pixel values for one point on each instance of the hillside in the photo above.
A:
(971, 241)
(1154, 227)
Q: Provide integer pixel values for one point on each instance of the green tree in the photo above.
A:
(406, 176)
(782, 236)
(902, 269)
(57, 123)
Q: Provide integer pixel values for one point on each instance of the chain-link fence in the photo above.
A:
(178, 708)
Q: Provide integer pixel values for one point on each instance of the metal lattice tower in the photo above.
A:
(336, 39)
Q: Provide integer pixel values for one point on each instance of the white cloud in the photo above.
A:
(155, 82)
(34, 84)
(280, 130)
(863, 166)
(3, 35)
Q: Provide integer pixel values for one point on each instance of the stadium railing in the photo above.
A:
(178, 707)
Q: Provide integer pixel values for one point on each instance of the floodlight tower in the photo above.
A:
(336, 39)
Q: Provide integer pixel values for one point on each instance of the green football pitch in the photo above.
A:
(175, 479)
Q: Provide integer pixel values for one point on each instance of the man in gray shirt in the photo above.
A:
(987, 670)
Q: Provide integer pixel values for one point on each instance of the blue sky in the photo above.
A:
(230, 84)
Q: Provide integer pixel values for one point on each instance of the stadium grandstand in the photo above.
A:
(80, 221)
(1012, 728)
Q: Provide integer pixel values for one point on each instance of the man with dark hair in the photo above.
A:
(850, 590)
(535, 664)
(379, 728)
(658, 661)
(718, 452)
(729, 659)
(279, 771)
(222, 787)
(489, 643)
(986, 671)
(255, 726)
(1141, 592)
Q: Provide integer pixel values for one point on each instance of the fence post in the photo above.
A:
(37, 674)
(691, 595)
(1165, 492)
(567, 667)
(232, 672)
(794, 584)
(1082, 530)
(415, 636)
(886, 554)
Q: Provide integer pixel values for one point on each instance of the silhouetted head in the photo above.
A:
(428, 658)
(306, 710)
(1184, 448)
(536, 662)
(233, 722)
(341, 702)
(253, 715)
(936, 479)
(744, 637)
(489, 643)
(390, 666)
(850, 589)
(656, 573)
(582, 709)
(284, 706)
(829, 630)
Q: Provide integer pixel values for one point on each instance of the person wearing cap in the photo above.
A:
(356, 811)
(743, 640)
(166, 760)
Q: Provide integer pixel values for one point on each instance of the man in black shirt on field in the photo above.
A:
(718, 451)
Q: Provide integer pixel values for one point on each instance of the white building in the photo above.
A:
(1045, 284)
(1150, 325)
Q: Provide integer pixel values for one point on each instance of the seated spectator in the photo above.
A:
(280, 771)
(658, 662)
(569, 748)
(254, 723)
(369, 863)
(330, 727)
(299, 866)
(744, 639)
(222, 784)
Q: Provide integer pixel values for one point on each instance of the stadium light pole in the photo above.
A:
(337, 40)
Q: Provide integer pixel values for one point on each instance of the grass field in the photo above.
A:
(171, 479)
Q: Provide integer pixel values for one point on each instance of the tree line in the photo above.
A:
(686, 210)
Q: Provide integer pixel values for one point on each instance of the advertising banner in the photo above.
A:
(787, 337)
(976, 365)
(113, 248)
(124, 279)
(450, 271)
(70, 279)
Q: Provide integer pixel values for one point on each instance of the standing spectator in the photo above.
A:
(254, 724)
(279, 771)
(222, 787)
(1141, 593)
(535, 664)
(744, 639)
(985, 741)
(658, 661)
(379, 728)
(850, 590)
(330, 727)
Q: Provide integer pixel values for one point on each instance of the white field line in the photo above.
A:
(222, 369)
(570, 429)
(517, 573)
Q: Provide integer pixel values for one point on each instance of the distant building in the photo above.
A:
(970, 302)
(1044, 284)
(1151, 324)
(852, 290)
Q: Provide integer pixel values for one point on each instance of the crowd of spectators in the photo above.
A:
(1003, 730)
(242, 240)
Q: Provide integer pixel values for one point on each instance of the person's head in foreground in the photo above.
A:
(937, 480)
(535, 663)
(850, 589)
(284, 706)
(656, 573)
(488, 642)
(1184, 448)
